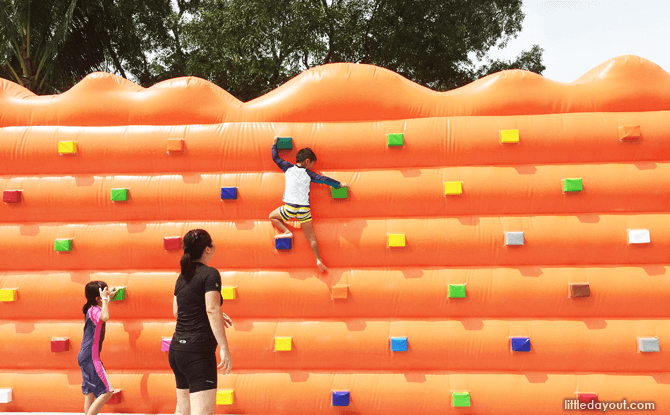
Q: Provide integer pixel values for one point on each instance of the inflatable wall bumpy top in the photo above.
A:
(501, 248)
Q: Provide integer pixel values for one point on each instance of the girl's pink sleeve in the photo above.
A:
(94, 313)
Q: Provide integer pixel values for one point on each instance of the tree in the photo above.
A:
(31, 34)
(155, 33)
(529, 60)
(249, 47)
(49, 45)
(131, 33)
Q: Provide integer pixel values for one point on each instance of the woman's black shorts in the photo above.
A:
(195, 371)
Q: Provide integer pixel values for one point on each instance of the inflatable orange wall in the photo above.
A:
(502, 248)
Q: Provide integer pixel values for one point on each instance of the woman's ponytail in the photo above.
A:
(187, 266)
(195, 241)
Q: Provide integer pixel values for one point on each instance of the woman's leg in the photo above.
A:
(183, 402)
(88, 400)
(203, 402)
(97, 405)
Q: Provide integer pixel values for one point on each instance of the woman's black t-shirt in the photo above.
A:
(193, 332)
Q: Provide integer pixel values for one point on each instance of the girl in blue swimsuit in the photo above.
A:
(95, 383)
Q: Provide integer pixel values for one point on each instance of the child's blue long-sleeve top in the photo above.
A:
(298, 179)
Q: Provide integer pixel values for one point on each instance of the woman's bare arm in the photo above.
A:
(216, 321)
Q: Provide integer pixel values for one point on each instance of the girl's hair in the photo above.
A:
(195, 241)
(92, 292)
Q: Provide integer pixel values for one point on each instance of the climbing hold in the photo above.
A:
(11, 196)
(60, 344)
(340, 398)
(120, 294)
(283, 344)
(648, 344)
(5, 395)
(229, 293)
(639, 236)
(399, 344)
(284, 143)
(572, 185)
(172, 243)
(520, 344)
(629, 132)
(339, 193)
(224, 397)
(396, 239)
(116, 398)
(9, 294)
(453, 188)
(340, 292)
(514, 238)
(456, 290)
(460, 399)
(587, 397)
(283, 243)
(228, 193)
(175, 145)
(67, 147)
(580, 290)
(395, 140)
(165, 344)
(63, 245)
(509, 136)
(120, 195)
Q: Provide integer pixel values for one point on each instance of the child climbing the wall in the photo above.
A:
(95, 383)
(299, 177)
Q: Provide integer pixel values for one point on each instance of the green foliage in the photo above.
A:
(31, 34)
(529, 60)
(48, 46)
(429, 41)
(249, 47)
(132, 32)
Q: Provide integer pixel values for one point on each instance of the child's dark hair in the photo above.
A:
(92, 292)
(304, 154)
(195, 241)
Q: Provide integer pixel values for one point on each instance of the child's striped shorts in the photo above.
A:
(302, 213)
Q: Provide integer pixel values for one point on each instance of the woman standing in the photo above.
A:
(200, 327)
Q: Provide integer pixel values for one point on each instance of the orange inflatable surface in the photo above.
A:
(502, 248)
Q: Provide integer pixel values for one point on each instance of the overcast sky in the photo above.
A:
(579, 35)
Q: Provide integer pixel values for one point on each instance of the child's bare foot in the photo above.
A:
(286, 234)
(321, 266)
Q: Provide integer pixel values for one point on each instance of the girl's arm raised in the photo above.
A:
(105, 296)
